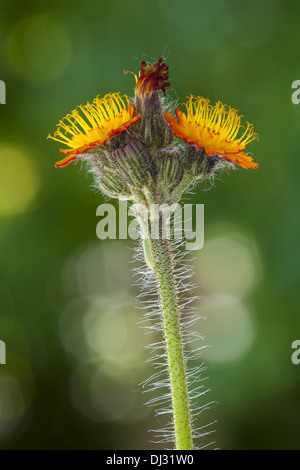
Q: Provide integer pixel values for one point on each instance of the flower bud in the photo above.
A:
(134, 165)
(170, 169)
(99, 160)
(114, 187)
(198, 164)
(152, 125)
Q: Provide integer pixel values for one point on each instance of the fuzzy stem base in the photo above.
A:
(162, 265)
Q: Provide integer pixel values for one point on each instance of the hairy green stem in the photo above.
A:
(158, 251)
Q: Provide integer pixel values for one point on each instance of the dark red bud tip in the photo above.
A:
(153, 78)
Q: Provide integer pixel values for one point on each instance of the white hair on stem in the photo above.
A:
(158, 385)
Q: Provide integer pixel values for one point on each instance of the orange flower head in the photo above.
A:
(214, 129)
(92, 125)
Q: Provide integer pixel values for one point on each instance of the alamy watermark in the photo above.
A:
(296, 354)
(296, 94)
(171, 222)
(2, 92)
(2, 352)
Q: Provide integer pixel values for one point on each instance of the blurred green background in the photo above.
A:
(75, 354)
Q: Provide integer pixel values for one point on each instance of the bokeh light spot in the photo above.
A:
(39, 48)
(228, 263)
(19, 180)
(115, 337)
(17, 392)
(98, 267)
(12, 405)
(99, 397)
(229, 328)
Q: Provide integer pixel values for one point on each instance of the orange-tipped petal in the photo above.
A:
(66, 161)
(215, 129)
(92, 125)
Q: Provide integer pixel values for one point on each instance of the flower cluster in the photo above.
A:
(132, 147)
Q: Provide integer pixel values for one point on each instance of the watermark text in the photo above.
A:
(296, 354)
(2, 92)
(168, 222)
(296, 94)
(2, 352)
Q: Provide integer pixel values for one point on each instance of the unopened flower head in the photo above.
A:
(152, 78)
